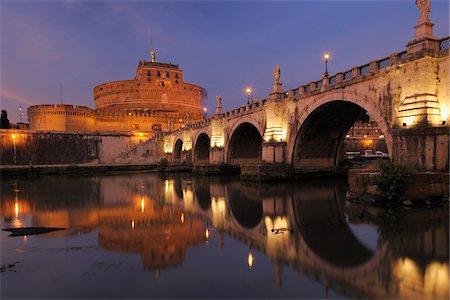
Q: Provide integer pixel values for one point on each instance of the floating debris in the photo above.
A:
(30, 230)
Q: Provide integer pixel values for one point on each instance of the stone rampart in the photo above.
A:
(24, 147)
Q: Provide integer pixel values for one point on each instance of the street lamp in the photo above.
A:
(326, 56)
(248, 91)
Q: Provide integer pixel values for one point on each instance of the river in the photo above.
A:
(148, 235)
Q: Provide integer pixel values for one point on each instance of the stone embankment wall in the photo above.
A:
(422, 185)
(25, 147)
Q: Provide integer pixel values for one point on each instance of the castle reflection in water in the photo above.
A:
(306, 227)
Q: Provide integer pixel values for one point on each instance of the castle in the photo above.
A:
(157, 99)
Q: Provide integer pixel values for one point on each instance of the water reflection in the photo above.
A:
(304, 227)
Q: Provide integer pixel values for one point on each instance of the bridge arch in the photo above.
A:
(245, 143)
(177, 148)
(320, 130)
(201, 148)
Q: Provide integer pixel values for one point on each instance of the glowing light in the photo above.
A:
(207, 233)
(180, 120)
(132, 224)
(248, 90)
(205, 109)
(166, 184)
(408, 121)
(326, 56)
(250, 260)
(142, 204)
(274, 134)
(436, 280)
(217, 141)
(13, 136)
(16, 209)
(370, 141)
(141, 134)
(348, 135)
(381, 136)
(182, 217)
(444, 112)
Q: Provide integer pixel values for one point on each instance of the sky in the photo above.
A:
(223, 46)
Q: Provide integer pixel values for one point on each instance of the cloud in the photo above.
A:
(9, 96)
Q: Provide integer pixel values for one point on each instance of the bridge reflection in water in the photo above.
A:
(306, 227)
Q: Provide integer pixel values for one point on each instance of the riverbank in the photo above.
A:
(11, 171)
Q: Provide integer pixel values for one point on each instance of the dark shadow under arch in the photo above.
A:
(318, 143)
(177, 150)
(245, 145)
(201, 150)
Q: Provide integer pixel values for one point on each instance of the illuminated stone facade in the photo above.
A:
(155, 100)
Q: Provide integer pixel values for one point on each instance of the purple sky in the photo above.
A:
(222, 46)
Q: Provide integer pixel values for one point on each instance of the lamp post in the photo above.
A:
(248, 91)
(326, 56)
(14, 145)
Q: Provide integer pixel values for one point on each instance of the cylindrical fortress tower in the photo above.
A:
(157, 87)
(61, 117)
(156, 99)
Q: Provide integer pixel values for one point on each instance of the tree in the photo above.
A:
(4, 122)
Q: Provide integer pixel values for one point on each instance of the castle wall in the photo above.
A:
(61, 117)
(24, 147)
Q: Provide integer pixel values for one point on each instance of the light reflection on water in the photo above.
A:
(150, 236)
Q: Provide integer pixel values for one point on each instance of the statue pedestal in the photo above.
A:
(277, 88)
(424, 42)
(424, 30)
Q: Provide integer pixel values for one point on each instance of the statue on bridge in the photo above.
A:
(277, 85)
(424, 9)
(276, 74)
(219, 104)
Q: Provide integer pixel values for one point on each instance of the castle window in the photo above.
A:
(176, 81)
(162, 83)
(148, 73)
(167, 74)
(159, 74)
(176, 75)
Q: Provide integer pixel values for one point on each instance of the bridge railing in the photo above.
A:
(358, 71)
(444, 43)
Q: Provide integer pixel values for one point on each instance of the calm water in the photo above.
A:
(149, 236)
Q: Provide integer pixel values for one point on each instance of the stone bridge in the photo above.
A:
(406, 93)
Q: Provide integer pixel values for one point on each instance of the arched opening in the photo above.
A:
(245, 145)
(201, 150)
(328, 136)
(177, 150)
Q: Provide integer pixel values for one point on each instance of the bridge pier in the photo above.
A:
(274, 152)
(186, 156)
(424, 148)
(216, 155)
